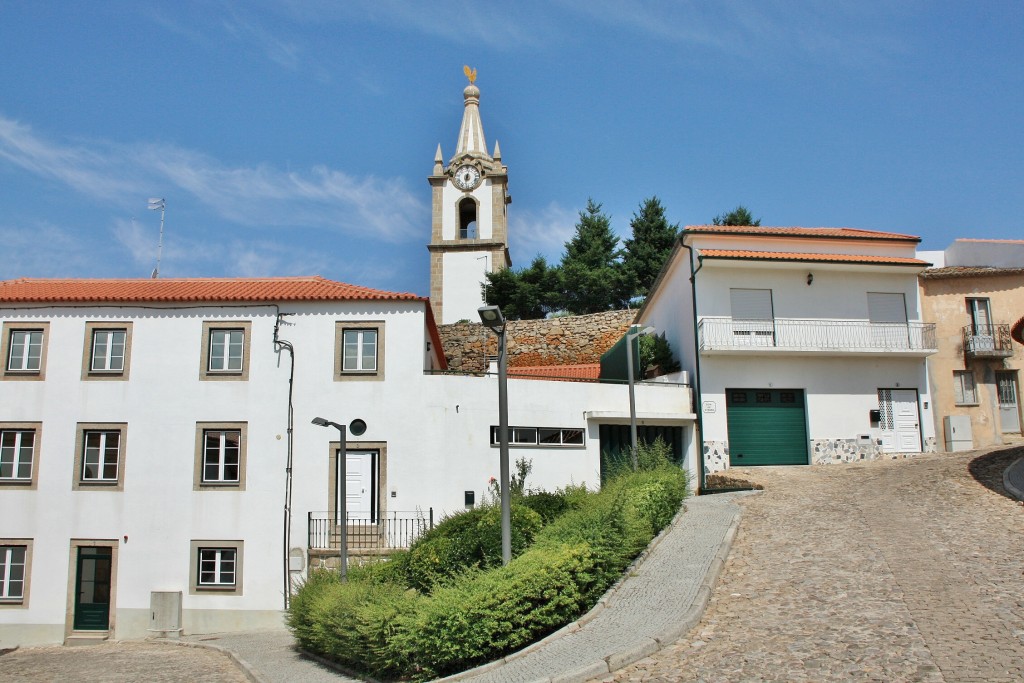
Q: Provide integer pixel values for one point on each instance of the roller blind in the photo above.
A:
(751, 304)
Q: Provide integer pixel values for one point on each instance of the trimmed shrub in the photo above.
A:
(476, 610)
(495, 612)
(464, 541)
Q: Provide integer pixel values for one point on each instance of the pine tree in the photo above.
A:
(593, 279)
(652, 242)
(526, 294)
(738, 216)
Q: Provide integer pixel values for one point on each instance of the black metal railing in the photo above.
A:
(721, 333)
(390, 531)
(987, 341)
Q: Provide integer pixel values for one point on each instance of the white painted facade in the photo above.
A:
(818, 339)
(465, 273)
(431, 433)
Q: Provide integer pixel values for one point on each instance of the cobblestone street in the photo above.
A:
(906, 570)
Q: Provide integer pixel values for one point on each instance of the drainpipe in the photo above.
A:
(279, 345)
(698, 408)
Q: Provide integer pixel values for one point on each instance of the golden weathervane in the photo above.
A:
(470, 74)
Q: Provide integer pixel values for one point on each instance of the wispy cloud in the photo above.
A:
(543, 232)
(256, 196)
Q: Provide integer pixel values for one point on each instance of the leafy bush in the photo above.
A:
(467, 540)
(496, 612)
(467, 609)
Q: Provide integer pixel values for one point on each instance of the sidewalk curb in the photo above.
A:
(1017, 464)
(248, 669)
(645, 648)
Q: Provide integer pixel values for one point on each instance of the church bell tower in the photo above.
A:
(469, 222)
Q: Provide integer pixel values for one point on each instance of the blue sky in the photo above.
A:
(294, 138)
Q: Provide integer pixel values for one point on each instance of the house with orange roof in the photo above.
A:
(807, 344)
(158, 466)
(975, 294)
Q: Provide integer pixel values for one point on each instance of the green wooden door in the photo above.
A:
(766, 427)
(92, 589)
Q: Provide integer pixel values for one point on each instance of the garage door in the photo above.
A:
(766, 427)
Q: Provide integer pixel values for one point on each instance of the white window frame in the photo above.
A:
(16, 451)
(520, 437)
(222, 450)
(11, 556)
(220, 562)
(98, 456)
(24, 361)
(363, 362)
(231, 354)
(108, 361)
(960, 389)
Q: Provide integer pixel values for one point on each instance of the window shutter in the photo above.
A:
(751, 304)
(886, 308)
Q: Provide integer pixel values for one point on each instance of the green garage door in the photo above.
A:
(766, 427)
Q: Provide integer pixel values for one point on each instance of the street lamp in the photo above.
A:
(492, 319)
(342, 493)
(631, 335)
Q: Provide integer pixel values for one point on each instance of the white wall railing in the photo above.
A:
(840, 336)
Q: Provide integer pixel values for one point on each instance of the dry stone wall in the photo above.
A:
(569, 340)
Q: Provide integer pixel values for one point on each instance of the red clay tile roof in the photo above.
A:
(822, 258)
(826, 233)
(561, 372)
(312, 288)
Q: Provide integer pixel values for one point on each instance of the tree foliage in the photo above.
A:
(526, 294)
(593, 279)
(738, 216)
(595, 274)
(652, 242)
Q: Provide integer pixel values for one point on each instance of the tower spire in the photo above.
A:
(471, 133)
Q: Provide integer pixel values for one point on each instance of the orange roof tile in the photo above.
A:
(311, 288)
(590, 371)
(822, 258)
(826, 233)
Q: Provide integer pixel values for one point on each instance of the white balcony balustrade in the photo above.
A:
(793, 336)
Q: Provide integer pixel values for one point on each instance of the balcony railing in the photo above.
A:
(987, 341)
(815, 336)
(391, 531)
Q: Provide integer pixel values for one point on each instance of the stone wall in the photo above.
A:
(568, 340)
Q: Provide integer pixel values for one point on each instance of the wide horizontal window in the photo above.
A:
(540, 436)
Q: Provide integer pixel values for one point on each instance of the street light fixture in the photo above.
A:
(631, 335)
(492, 319)
(342, 493)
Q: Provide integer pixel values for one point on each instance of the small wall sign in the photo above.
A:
(708, 406)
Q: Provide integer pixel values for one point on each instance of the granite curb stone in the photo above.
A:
(1013, 479)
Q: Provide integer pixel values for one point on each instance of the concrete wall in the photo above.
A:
(944, 300)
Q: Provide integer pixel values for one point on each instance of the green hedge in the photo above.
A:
(418, 617)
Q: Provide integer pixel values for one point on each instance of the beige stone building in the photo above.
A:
(974, 296)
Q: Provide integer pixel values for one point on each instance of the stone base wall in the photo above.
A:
(569, 340)
(831, 451)
(823, 452)
(716, 456)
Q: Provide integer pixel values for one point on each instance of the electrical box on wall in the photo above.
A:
(957, 431)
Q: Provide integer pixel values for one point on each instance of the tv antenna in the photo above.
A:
(156, 203)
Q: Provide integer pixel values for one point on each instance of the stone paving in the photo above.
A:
(126, 661)
(905, 570)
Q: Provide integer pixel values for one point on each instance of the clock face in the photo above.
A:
(467, 177)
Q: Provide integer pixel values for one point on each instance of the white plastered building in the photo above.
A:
(808, 342)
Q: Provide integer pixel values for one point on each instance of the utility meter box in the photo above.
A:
(957, 431)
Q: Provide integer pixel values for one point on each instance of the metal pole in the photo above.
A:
(343, 499)
(506, 498)
(160, 245)
(630, 336)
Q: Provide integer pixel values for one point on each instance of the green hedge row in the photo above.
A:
(447, 605)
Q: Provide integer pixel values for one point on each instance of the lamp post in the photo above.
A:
(158, 203)
(492, 318)
(632, 335)
(342, 493)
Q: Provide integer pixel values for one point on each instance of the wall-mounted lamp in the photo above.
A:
(810, 279)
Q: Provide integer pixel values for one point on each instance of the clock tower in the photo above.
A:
(469, 222)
